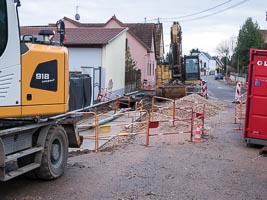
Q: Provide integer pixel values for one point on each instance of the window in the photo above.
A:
(3, 26)
(126, 45)
(153, 69)
(191, 69)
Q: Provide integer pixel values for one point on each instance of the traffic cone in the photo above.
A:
(197, 137)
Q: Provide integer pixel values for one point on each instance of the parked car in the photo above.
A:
(218, 76)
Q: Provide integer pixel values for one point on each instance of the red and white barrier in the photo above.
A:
(238, 91)
(197, 137)
(204, 88)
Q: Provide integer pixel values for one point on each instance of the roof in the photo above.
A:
(81, 36)
(207, 55)
(218, 61)
(78, 24)
(143, 32)
(92, 35)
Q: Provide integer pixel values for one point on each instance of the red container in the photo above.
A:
(256, 108)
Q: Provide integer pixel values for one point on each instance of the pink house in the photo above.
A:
(143, 40)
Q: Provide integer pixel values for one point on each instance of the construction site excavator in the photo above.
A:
(34, 84)
(180, 75)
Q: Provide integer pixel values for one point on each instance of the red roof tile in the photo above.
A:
(81, 36)
(143, 32)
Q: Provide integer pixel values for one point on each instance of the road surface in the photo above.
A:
(219, 90)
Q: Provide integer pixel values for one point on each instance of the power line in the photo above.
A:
(214, 13)
(217, 12)
(196, 13)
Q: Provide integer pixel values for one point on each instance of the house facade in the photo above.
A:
(143, 40)
(206, 63)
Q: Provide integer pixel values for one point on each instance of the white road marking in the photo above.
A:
(211, 95)
(228, 100)
(213, 98)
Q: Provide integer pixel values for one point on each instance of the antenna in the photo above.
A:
(77, 16)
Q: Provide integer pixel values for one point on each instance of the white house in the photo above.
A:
(99, 52)
(206, 63)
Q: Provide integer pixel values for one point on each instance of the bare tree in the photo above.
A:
(225, 50)
(226, 47)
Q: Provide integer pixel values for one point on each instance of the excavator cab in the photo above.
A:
(191, 69)
(33, 76)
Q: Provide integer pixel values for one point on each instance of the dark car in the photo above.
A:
(218, 76)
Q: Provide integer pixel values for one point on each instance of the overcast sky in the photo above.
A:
(201, 27)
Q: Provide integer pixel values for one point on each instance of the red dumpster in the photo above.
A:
(256, 108)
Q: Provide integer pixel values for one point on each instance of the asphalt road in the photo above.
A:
(219, 90)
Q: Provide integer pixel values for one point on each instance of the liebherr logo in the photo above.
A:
(45, 76)
(262, 63)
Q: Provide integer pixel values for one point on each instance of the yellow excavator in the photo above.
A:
(180, 75)
(34, 84)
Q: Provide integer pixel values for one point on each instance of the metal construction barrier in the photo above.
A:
(92, 124)
(122, 123)
(198, 110)
(122, 101)
(239, 110)
(174, 111)
(139, 105)
(104, 94)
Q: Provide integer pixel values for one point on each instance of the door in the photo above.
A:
(10, 68)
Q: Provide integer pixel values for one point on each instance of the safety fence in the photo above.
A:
(106, 126)
(239, 110)
(178, 117)
(240, 99)
(175, 114)
(104, 94)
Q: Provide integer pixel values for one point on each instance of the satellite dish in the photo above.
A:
(77, 17)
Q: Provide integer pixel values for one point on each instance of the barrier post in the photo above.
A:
(192, 126)
(147, 128)
(204, 88)
(95, 126)
(238, 92)
(173, 113)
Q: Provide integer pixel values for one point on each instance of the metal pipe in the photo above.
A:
(108, 119)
